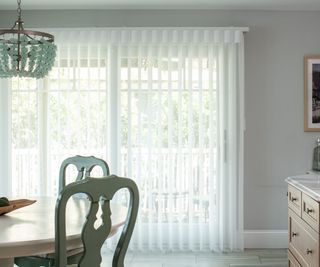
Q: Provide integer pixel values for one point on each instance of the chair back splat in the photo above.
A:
(99, 191)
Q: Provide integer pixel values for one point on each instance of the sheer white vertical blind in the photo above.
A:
(181, 122)
(169, 105)
(58, 117)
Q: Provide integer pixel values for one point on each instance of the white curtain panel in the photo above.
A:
(165, 107)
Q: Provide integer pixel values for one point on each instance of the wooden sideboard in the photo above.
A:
(303, 226)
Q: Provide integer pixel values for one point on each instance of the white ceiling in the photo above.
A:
(165, 4)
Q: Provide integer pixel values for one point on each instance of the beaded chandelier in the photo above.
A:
(25, 53)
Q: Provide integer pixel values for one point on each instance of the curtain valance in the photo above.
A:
(151, 35)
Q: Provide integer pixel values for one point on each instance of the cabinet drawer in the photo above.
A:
(310, 211)
(292, 261)
(303, 241)
(294, 199)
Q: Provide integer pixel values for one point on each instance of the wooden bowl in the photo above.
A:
(16, 204)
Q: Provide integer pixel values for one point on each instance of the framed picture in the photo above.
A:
(312, 93)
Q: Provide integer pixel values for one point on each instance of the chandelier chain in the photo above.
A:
(19, 9)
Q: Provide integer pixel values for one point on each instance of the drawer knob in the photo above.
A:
(309, 210)
(309, 251)
(294, 234)
(294, 199)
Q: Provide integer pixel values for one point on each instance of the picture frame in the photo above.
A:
(312, 93)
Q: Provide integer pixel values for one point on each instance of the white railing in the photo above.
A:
(171, 181)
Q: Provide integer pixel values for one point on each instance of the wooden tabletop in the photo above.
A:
(30, 230)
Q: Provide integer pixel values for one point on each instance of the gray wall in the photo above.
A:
(275, 144)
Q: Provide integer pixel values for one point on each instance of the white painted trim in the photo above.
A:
(266, 239)
(113, 111)
(241, 144)
(5, 138)
(233, 28)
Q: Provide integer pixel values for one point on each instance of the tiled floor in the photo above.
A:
(250, 258)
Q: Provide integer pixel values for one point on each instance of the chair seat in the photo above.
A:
(69, 253)
(48, 260)
(73, 252)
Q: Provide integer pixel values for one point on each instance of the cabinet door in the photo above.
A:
(294, 199)
(310, 211)
(292, 262)
(303, 241)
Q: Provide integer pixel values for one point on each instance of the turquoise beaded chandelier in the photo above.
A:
(25, 53)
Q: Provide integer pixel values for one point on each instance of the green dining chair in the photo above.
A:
(84, 166)
(100, 191)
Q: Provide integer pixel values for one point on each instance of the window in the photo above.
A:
(165, 122)
(62, 116)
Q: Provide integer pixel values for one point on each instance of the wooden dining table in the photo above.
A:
(30, 230)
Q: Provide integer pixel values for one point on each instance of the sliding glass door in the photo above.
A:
(165, 112)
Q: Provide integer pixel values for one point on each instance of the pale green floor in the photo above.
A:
(250, 258)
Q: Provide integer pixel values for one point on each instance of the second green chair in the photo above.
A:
(84, 167)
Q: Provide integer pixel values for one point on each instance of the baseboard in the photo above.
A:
(266, 239)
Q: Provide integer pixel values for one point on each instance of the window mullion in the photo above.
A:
(43, 136)
(113, 148)
(5, 138)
